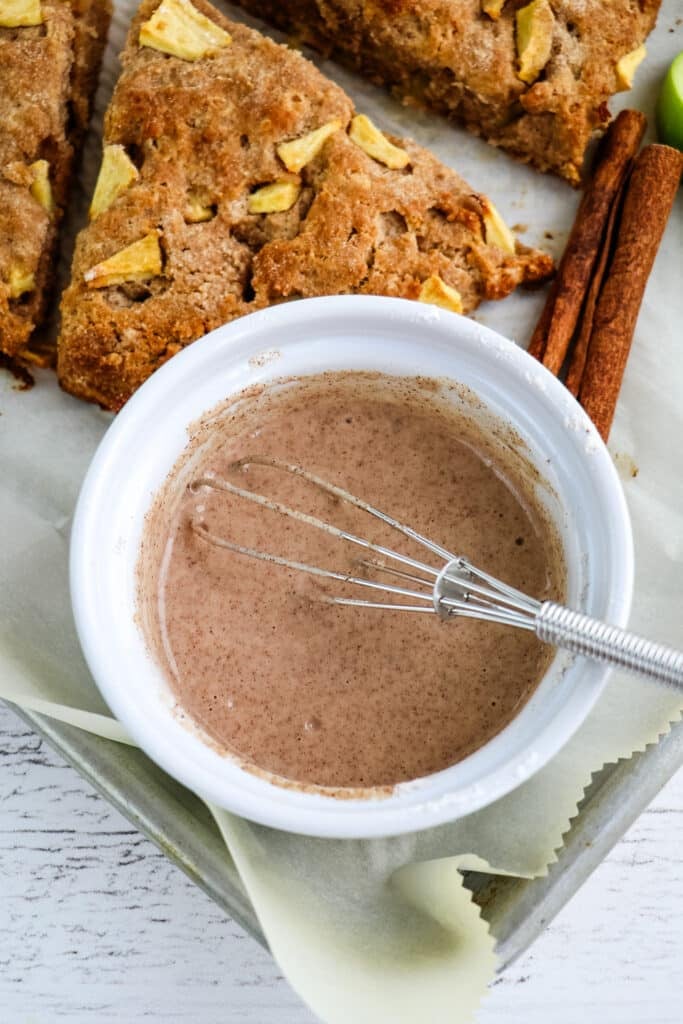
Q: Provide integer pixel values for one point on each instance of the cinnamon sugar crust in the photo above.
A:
(454, 57)
(48, 74)
(204, 134)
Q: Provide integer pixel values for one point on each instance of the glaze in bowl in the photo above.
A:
(578, 485)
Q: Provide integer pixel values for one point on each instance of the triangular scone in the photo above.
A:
(50, 53)
(531, 76)
(235, 175)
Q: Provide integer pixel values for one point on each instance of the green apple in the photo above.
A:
(670, 106)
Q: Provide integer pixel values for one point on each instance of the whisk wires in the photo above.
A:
(457, 588)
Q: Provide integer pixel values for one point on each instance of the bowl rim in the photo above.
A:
(247, 794)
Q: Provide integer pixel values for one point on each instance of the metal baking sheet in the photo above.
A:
(516, 909)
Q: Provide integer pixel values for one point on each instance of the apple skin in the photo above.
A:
(670, 106)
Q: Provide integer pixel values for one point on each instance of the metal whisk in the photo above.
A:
(456, 589)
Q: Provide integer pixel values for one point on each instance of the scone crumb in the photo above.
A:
(114, 359)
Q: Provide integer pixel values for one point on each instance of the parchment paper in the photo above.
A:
(381, 930)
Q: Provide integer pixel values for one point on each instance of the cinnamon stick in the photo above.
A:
(551, 339)
(540, 336)
(579, 350)
(647, 204)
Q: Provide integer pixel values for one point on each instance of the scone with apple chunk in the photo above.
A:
(50, 52)
(531, 76)
(234, 176)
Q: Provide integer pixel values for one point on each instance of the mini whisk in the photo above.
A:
(456, 589)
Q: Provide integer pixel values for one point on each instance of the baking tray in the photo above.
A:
(517, 910)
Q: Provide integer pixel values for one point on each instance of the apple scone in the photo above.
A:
(50, 52)
(531, 77)
(235, 175)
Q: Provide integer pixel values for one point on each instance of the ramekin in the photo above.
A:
(580, 486)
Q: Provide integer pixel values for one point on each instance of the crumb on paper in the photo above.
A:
(626, 465)
(23, 378)
(520, 229)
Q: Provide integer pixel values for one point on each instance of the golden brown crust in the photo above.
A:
(92, 19)
(211, 129)
(451, 55)
(47, 77)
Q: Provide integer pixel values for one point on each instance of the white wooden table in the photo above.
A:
(96, 924)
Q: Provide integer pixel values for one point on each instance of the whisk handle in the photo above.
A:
(581, 634)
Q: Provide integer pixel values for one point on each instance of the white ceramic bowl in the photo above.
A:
(362, 333)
